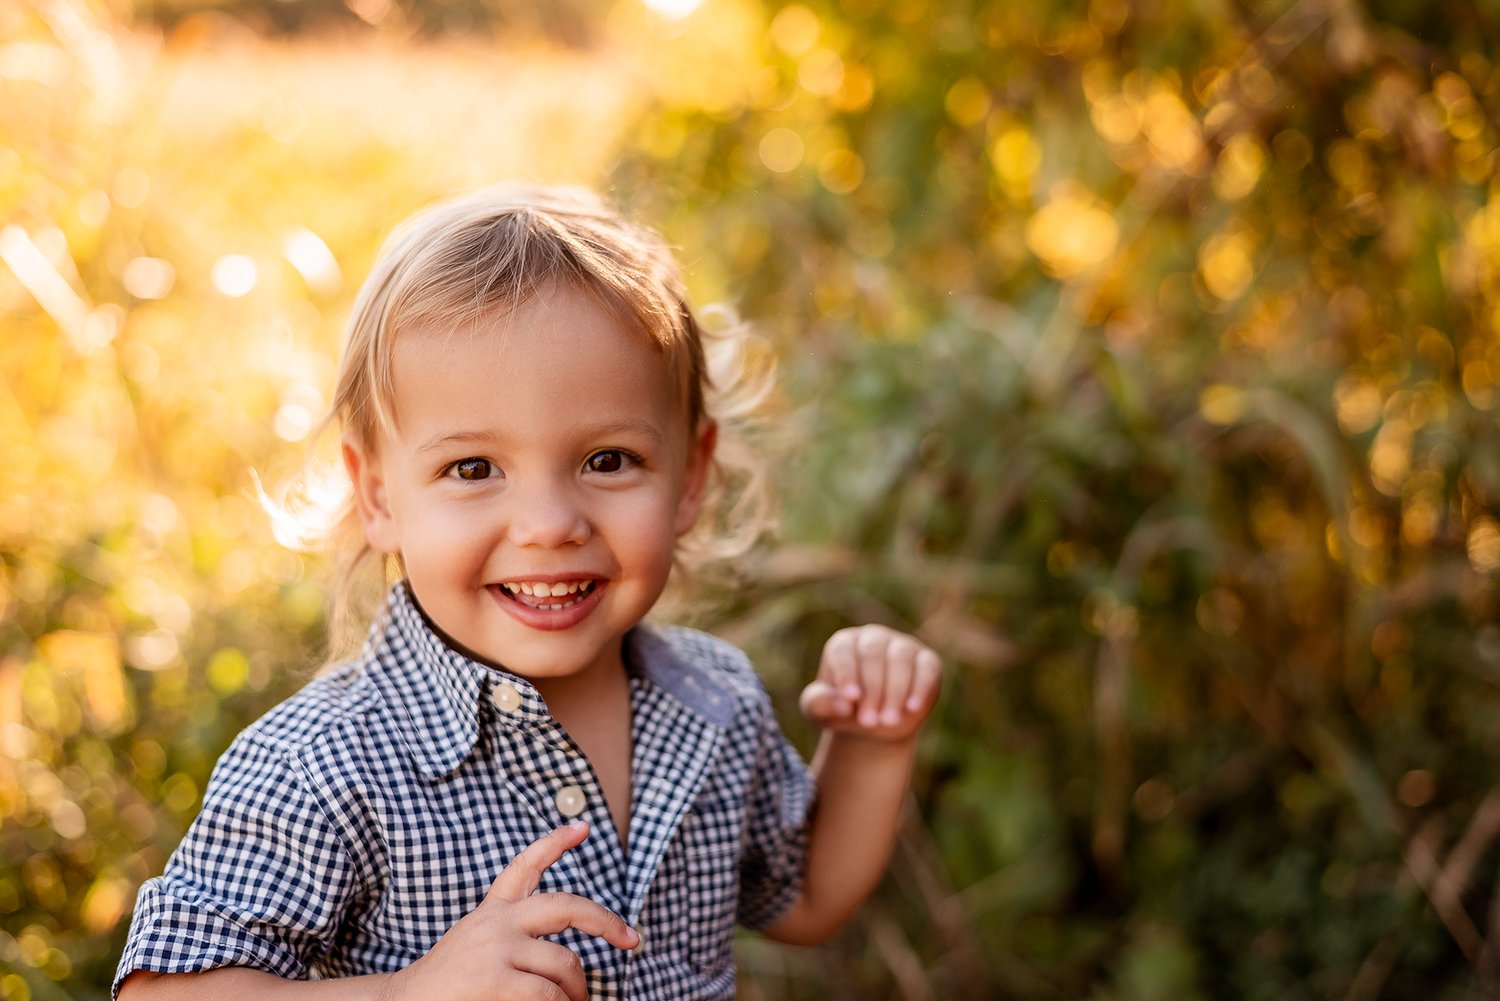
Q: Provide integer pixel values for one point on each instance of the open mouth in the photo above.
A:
(547, 597)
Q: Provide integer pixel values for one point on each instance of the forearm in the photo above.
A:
(861, 786)
(238, 983)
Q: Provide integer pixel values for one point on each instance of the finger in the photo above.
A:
(900, 672)
(520, 879)
(841, 662)
(523, 986)
(555, 963)
(871, 647)
(929, 677)
(822, 702)
(550, 913)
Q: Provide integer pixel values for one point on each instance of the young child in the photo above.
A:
(518, 789)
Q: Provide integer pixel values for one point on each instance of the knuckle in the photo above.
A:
(843, 637)
(905, 647)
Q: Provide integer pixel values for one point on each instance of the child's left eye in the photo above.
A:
(608, 460)
(471, 469)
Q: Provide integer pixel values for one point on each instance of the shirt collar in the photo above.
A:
(437, 693)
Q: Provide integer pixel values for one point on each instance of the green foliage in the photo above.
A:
(1141, 358)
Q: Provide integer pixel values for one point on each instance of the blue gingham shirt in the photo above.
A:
(354, 824)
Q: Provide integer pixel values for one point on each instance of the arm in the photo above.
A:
(874, 689)
(233, 982)
(495, 951)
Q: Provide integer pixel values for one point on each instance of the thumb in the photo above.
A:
(822, 703)
(520, 879)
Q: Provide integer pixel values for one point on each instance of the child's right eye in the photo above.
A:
(472, 469)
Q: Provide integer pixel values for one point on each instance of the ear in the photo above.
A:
(363, 466)
(695, 479)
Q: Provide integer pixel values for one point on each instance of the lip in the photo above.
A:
(543, 619)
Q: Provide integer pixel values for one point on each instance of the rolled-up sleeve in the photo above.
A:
(778, 811)
(261, 879)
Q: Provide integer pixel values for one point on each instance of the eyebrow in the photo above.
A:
(644, 428)
(456, 438)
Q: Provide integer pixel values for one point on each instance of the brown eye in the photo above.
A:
(608, 461)
(472, 469)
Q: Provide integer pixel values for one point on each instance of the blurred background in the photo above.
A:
(1140, 356)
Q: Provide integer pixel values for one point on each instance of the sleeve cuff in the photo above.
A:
(170, 934)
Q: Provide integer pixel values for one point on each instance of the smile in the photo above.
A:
(548, 597)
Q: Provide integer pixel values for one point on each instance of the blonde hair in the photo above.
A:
(484, 253)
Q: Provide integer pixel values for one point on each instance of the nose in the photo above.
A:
(548, 514)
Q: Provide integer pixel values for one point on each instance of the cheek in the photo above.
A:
(437, 532)
(646, 532)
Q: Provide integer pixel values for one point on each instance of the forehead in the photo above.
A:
(561, 351)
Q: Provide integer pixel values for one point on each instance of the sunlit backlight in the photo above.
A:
(39, 277)
(235, 275)
(47, 65)
(313, 260)
(673, 10)
(303, 513)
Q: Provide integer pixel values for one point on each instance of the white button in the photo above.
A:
(505, 697)
(640, 942)
(569, 801)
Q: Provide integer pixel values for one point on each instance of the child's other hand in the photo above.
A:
(495, 950)
(874, 682)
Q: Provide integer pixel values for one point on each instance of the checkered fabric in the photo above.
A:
(350, 827)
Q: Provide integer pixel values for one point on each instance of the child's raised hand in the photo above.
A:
(495, 951)
(875, 682)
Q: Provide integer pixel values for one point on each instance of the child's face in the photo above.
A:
(545, 447)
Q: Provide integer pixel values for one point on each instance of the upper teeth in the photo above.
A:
(540, 589)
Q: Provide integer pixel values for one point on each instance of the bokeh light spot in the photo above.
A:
(1226, 265)
(841, 171)
(967, 101)
(1222, 405)
(235, 275)
(781, 150)
(1240, 165)
(1016, 157)
(1071, 234)
(794, 29)
(821, 72)
(149, 277)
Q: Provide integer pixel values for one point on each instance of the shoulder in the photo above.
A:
(705, 651)
(689, 660)
(333, 710)
(335, 700)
